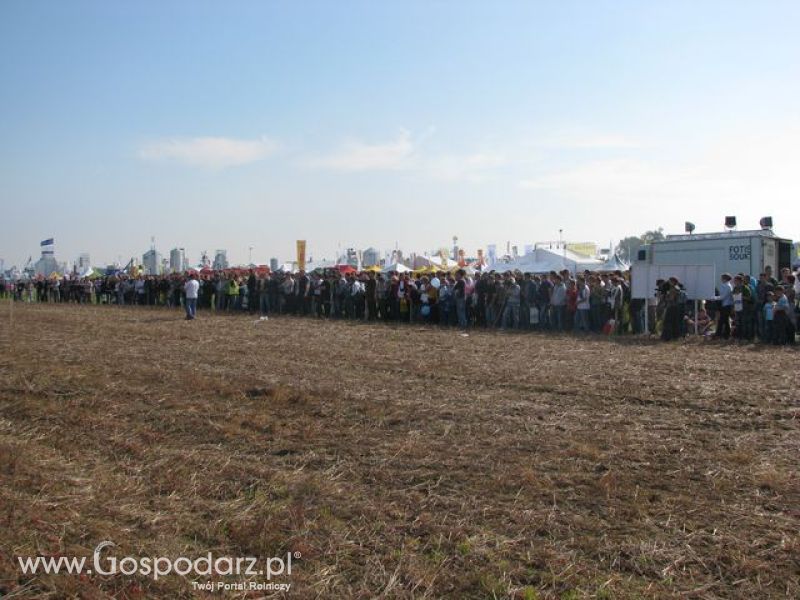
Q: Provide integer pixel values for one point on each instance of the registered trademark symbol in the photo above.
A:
(296, 554)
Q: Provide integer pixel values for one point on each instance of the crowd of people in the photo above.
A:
(747, 309)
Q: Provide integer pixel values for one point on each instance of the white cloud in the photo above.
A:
(408, 154)
(208, 152)
(355, 155)
(748, 174)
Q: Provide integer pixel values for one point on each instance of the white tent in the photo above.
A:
(319, 264)
(396, 267)
(615, 263)
(544, 260)
(434, 261)
(287, 267)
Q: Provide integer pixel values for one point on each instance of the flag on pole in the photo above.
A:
(47, 242)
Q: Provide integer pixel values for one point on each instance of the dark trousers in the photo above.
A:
(783, 329)
(672, 324)
(372, 309)
(724, 323)
(383, 307)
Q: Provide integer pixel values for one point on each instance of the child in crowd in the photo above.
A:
(783, 330)
(769, 317)
(704, 321)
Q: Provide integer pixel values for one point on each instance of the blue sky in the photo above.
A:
(228, 125)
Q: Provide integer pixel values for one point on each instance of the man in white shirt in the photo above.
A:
(797, 284)
(138, 287)
(583, 306)
(191, 288)
(558, 302)
(725, 299)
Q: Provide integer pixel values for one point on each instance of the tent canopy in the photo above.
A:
(286, 268)
(434, 262)
(317, 265)
(544, 260)
(427, 270)
(396, 267)
(615, 263)
(90, 273)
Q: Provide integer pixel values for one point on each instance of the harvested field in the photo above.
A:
(399, 462)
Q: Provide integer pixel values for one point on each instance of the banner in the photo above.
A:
(301, 255)
(583, 248)
(47, 242)
(699, 281)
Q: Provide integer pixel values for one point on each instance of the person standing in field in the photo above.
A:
(763, 289)
(232, 292)
(583, 306)
(558, 302)
(571, 306)
(190, 288)
(726, 307)
(371, 294)
(791, 295)
(672, 314)
(252, 292)
(743, 307)
(797, 285)
(768, 331)
(783, 329)
(460, 294)
(513, 303)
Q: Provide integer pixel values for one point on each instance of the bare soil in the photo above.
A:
(400, 462)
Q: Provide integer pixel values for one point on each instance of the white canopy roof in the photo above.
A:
(434, 261)
(319, 264)
(544, 260)
(398, 267)
(615, 263)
